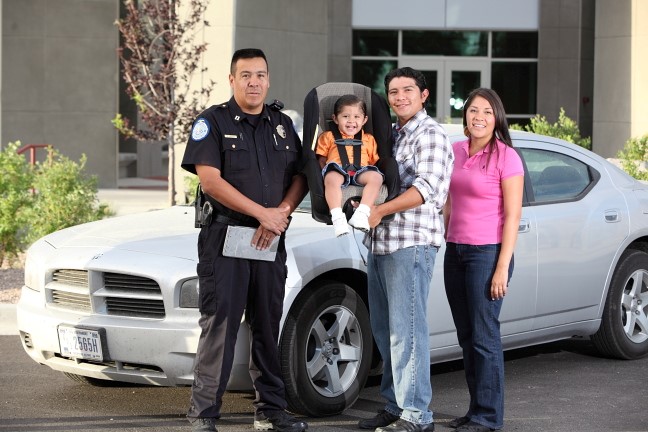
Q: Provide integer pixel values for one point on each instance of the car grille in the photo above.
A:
(133, 296)
(115, 294)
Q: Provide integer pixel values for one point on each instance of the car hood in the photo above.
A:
(161, 232)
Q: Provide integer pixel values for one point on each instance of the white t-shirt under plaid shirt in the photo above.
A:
(425, 161)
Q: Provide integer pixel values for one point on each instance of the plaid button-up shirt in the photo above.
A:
(425, 161)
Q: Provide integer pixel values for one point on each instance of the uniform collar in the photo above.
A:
(238, 115)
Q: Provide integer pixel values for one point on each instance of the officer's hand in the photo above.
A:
(274, 220)
(262, 238)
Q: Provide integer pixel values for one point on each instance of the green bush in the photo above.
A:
(565, 129)
(191, 182)
(38, 200)
(65, 196)
(633, 157)
(16, 178)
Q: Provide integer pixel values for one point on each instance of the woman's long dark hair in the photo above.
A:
(501, 130)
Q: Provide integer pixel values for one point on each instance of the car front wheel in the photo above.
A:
(325, 349)
(624, 324)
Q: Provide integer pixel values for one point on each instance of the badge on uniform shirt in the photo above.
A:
(200, 129)
(281, 131)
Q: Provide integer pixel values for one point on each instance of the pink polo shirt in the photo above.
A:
(477, 214)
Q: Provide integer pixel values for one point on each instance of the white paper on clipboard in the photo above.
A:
(238, 241)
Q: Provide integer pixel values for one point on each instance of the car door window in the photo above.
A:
(555, 176)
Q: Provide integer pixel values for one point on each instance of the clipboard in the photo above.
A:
(238, 241)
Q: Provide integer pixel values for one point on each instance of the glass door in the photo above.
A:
(449, 82)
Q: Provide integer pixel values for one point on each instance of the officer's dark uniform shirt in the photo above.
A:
(259, 162)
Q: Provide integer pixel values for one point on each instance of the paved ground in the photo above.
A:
(558, 387)
(136, 196)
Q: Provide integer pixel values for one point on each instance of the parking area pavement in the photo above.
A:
(559, 387)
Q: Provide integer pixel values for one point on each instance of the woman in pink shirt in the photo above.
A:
(481, 216)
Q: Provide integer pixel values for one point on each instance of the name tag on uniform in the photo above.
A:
(231, 136)
(238, 242)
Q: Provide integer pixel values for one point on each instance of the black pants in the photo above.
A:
(228, 286)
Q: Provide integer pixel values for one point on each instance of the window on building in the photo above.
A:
(516, 84)
(431, 82)
(511, 56)
(515, 45)
(375, 43)
(372, 73)
(445, 43)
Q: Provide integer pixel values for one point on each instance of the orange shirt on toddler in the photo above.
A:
(326, 147)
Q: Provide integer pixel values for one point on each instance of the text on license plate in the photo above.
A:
(80, 343)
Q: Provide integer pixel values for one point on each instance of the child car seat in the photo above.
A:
(318, 110)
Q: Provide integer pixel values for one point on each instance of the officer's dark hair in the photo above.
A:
(407, 72)
(246, 53)
(349, 100)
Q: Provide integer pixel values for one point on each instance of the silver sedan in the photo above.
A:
(117, 299)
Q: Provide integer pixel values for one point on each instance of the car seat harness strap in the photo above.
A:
(342, 143)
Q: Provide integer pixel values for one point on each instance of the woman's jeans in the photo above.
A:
(467, 271)
(398, 291)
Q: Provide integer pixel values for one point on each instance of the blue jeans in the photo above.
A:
(467, 272)
(398, 291)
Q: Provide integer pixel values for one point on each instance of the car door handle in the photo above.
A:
(612, 216)
(524, 226)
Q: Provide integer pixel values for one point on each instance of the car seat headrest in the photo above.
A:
(328, 93)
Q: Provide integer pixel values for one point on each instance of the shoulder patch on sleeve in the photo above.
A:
(200, 129)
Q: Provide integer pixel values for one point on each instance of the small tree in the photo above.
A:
(633, 157)
(565, 128)
(159, 59)
(38, 200)
(64, 196)
(15, 197)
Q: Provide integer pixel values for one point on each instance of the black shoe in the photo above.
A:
(279, 421)
(471, 426)
(401, 425)
(383, 418)
(203, 424)
(459, 421)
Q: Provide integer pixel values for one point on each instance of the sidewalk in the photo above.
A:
(134, 195)
(8, 320)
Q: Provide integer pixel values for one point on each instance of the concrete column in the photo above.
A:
(639, 68)
(613, 75)
(565, 58)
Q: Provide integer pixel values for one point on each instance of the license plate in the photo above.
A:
(80, 343)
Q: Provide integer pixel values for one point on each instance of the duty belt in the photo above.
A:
(230, 217)
(221, 218)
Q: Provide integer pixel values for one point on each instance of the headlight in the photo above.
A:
(34, 267)
(189, 293)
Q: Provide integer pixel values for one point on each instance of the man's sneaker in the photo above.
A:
(279, 421)
(360, 221)
(401, 425)
(383, 418)
(203, 424)
(341, 226)
(459, 421)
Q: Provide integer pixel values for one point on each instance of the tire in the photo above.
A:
(624, 325)
(325, 349)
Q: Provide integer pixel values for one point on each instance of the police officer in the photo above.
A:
(248, 159)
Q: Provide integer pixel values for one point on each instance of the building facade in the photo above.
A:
(61, 83)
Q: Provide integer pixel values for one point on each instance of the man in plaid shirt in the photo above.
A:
(402, 255)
